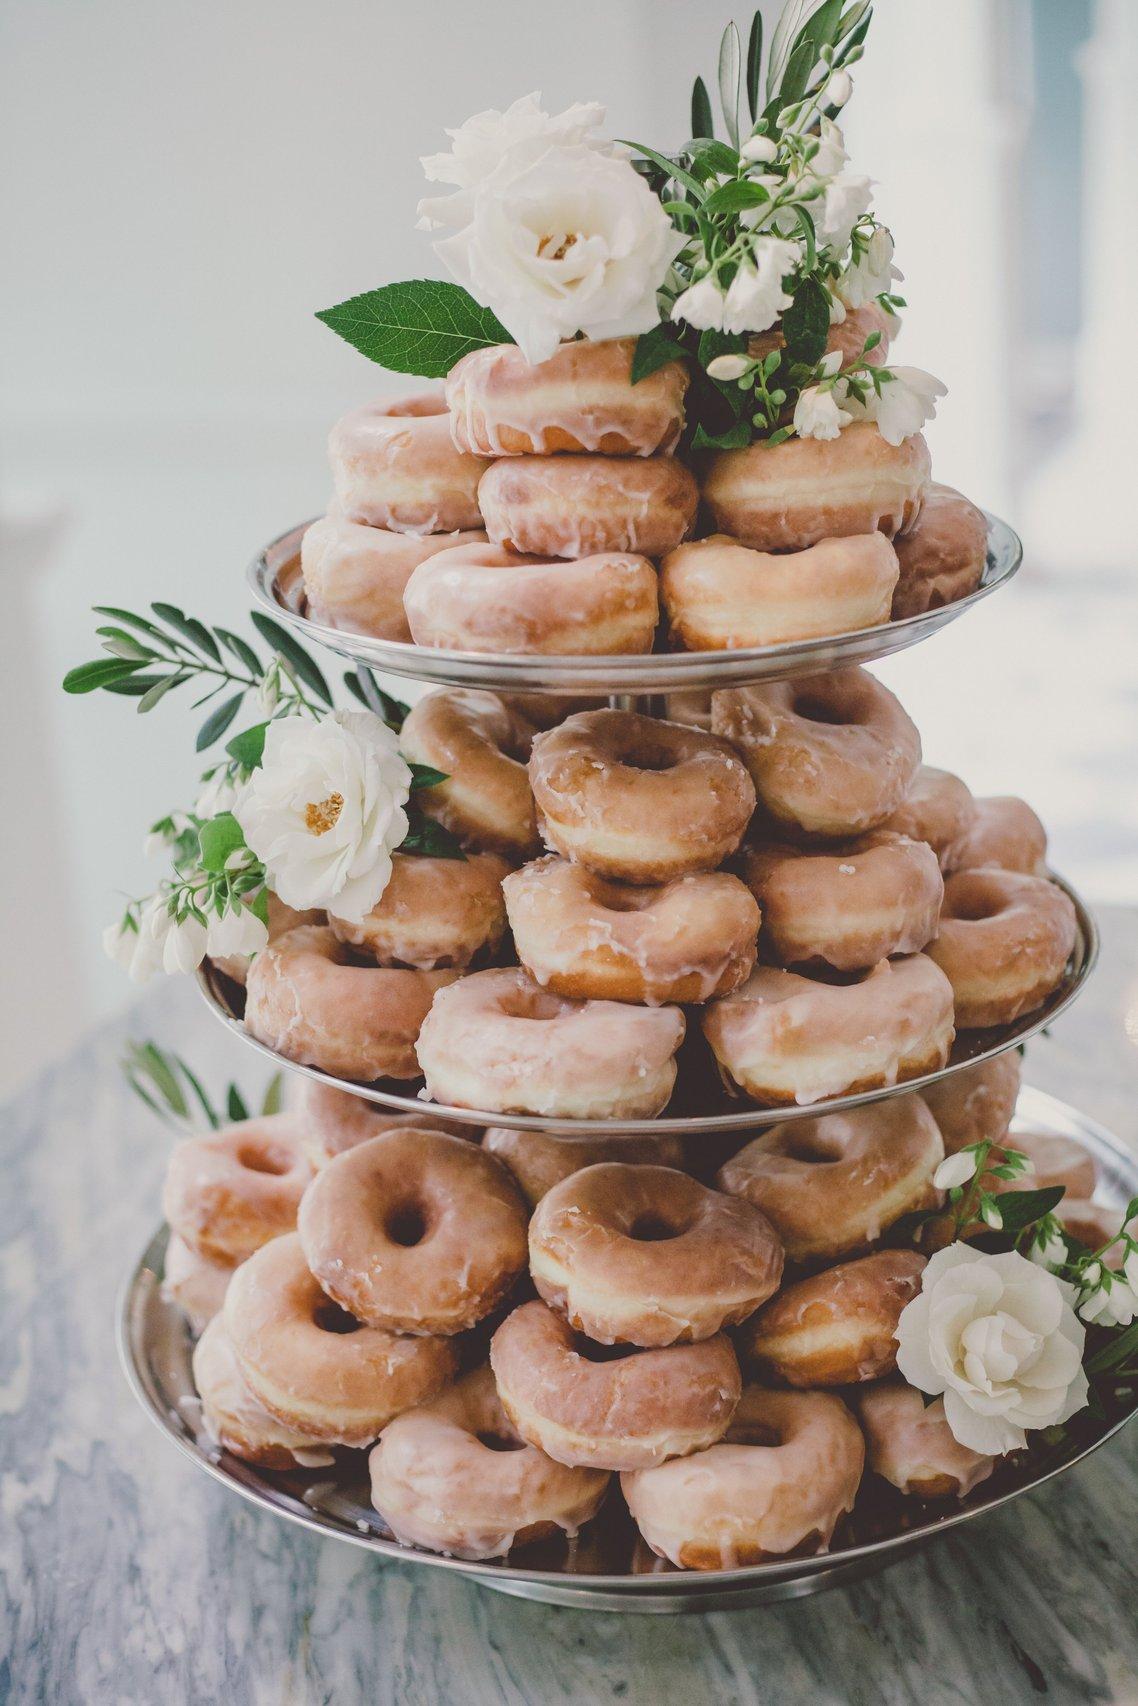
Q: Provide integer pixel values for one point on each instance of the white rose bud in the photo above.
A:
(955, 1170)
(838, 90)
(727, 367)
(758, 149)
(830, 363)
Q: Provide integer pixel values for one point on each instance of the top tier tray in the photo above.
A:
(275, 579)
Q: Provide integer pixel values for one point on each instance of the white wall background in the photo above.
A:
(186, 185)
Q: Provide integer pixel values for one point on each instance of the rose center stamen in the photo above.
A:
(322, 815)
(549, 252)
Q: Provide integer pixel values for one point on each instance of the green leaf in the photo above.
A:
(733, 197)
(123, 645)
(258, 905)
(274, 1094)
(1022, 1208)
(730, 55)
(822, 27)
(736, 437)
(429, 839)
(235, 1104)
(794, 81)
(248, 748)
(161, 1070)
(754, 65)
(425, 776)
(218, 838)
(362, 683)
(136, 686)
(806, 323)
(1116, 1351)
(785, 35)
(293, 653)
(132, 621)
(422, 326)
(190, 628)
(241, 650)
(710, 157)
(671, 167)
(218, 721)
(159, 690)
(654, 349)
(702, 123)
(100, 672)
(204, 1102)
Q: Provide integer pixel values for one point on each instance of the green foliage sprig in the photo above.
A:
(172, 1091)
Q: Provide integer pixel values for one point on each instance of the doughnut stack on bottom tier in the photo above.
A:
(521, 1331)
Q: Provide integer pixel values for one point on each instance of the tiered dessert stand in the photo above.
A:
(605, 1568)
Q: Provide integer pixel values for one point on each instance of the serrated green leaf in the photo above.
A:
(218, 721)
(217, 839)
(100, 672)
(293, 653)
(422, 326)
(248, 748)
(654, 349)
(702, 122)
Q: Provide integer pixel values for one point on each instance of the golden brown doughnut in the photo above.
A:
(236, 1419)
(330, 1120)
(573, 1400)
(354, 576)
(576, 506)
(581, 399)
(847, 906)
(910, 1444)
(830, 755)
(1004, 943)
(835, 1328)
(784, 1038)
(784, 497)
(648, 1256)
(833, 1184)
(394, 465)
(637, 799)
(433, 913)
(720, 595)
(228, 1192)
(586, 936)
(539, 1161)
(1005, 834)
(942, 556)
(1055, 1160)
(939, 809)
(846, 335)
(481, 747)
(976, 1104)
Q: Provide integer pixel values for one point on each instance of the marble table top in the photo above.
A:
(127, 1576)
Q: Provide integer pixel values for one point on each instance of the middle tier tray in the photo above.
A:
(275, 580)
(700, 1104)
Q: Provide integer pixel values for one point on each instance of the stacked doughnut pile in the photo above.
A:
(509, 1326)
(543, 510)
(790, 888)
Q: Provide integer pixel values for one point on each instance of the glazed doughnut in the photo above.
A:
(433, 913)
(786, 496)
(910, 1444)
(648, 1256)
(577, 1404)
(787, 1471)
(539, 1161)
(830, 755)
(230, 1191)
(942, 557)
(939, 809)
(197, 1284)
(835, 1328)
(481, 746)
(583, 935)
(489, 598)
(354, 576)
(1055, 1160)
(638, 799)
(236, 1419)
(311, 1002)
(314, 1367)
(394, 466)
(282, 918)
(719, 594)
(497, 1040)
(690, 706)
(846, 335)
(576, 506)
(415, 1231)
(329, 1120)
(1006, 835)
(581, 399)
(846, 907)
(546, 710)
(784, 1038)
(976, 1104)
(832, 1185)
(452, 1476)
(1004, 943)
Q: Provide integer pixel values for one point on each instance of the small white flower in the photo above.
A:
(864, 279)
(817, 414)
(237, 932)
(183, 943)
(727, 367)
(838, 90)
(269, 690)
(1051, 1253)
(998, 1336)
(134, 951)
(908, 399)
(701, 305)
(325, 810)
(830, 155)
(155, 844)
(755, 297)
(758, 149)
(991, 1215)
(846, 198)
(1130, 1268)
(830, 364)
(955, 1170)
(1110, 1300)
(217, 794)
(479, 146)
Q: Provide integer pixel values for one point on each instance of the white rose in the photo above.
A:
(998, 1336)
(701, 305)
(238, 933)
(817, 414)
(325, 810)
(755, 297)
(836, 213)
(873, 272)
(573, 242)
(908, 399)
(480, 145)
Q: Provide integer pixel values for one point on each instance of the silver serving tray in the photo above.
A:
(700, 1105)
(604, 1569)
(275, 579)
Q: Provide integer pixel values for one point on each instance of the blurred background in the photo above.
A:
(186, 185)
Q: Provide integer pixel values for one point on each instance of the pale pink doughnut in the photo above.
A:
(311, 1002)
(539, 1161)
(196, 1283)
(330, 1120)
(847, 335)
(433, 913)
(1055, 1160)
(788, 1470)
(1005, 834)
(230, 1191)
(394, 465)
(282, 918)
(942, 557)
(481, 746)
(487, 598)
(236, 1419)
(910, 1444)
(354, 576)
(976, 1104)
(1004, 942)
(581, 400)
(939, 809)
(575, 506)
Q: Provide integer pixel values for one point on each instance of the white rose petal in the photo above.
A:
(479, 146)
(325, 810)
(817, 414)
(998, 1336)
(1130, 1268)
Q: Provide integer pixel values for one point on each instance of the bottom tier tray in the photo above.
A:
(605, 1568)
